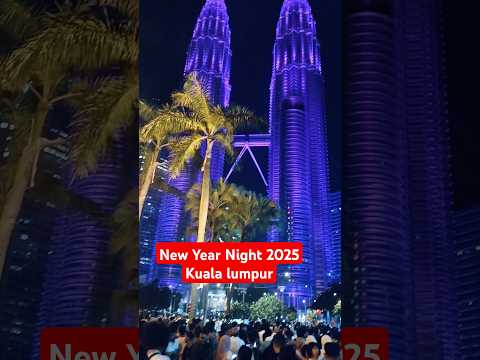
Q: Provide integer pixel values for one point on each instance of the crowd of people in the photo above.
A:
(178, 339)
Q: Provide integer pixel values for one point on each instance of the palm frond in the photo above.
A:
(70, 41)
(166, 122)
(17, 19)
(164, 186)
(226, 141)
(193, 98)
(181, 151)
(108, 108)
(240, 117)
(126, 7)
(125, 225)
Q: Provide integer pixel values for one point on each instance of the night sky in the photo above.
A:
(166, 30)
(463, 74)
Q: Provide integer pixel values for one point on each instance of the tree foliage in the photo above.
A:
(239, 310)
(328, 299)
(267, 307)
(154, 297)
(188, 122)
(234, 214)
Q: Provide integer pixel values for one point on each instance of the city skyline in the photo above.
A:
(209, 56)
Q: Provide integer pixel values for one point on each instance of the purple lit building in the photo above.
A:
(398, 250)
(466, 235)
(298, 163)
(209, 56)
(78, 283)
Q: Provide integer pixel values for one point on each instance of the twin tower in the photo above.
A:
(298, 156)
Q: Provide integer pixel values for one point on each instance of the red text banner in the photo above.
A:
(89, 343)
(229, 262)
(364, 343)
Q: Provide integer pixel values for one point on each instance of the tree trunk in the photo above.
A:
(203, 214)
(193, 301)
(147, 179)
(204, 302)
(229, 299)
(23, 173)
(205, 195)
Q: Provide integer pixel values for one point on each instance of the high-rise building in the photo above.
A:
(466, 235)
(78, 283)
(419, 38)
(298, 164)
(396, 197)
(377, 272)
(209, 57)
(334, 254)
(148, 224)
(26, 260)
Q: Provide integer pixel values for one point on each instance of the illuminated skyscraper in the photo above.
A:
(398, 271)
(209, 56)
(298, 164)
(466, 236)
(334, 271)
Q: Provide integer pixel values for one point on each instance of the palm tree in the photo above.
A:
(124, 225)
(254, 215)
(35, 86)
(154, 136)
(234, 215)
(86, 53)
(220, 216)
(186, 126)
(190, 125)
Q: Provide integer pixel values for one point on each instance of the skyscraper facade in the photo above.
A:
(78, 282)
(396, 198)
(28, 251)
(148, 228)
(334, 255)
(466, 235)
(377, 272)
(298, 163)
(421, 52)
(209, 57)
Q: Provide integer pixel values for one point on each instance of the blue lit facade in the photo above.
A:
(397, 244)
(209, 56)
(79, 283)
(378, 274)
(148, 226)
(466, 235)
(334, 254)
(298, 163)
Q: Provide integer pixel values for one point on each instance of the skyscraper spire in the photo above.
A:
(296, 37)
(298, 154)
(209, 54)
